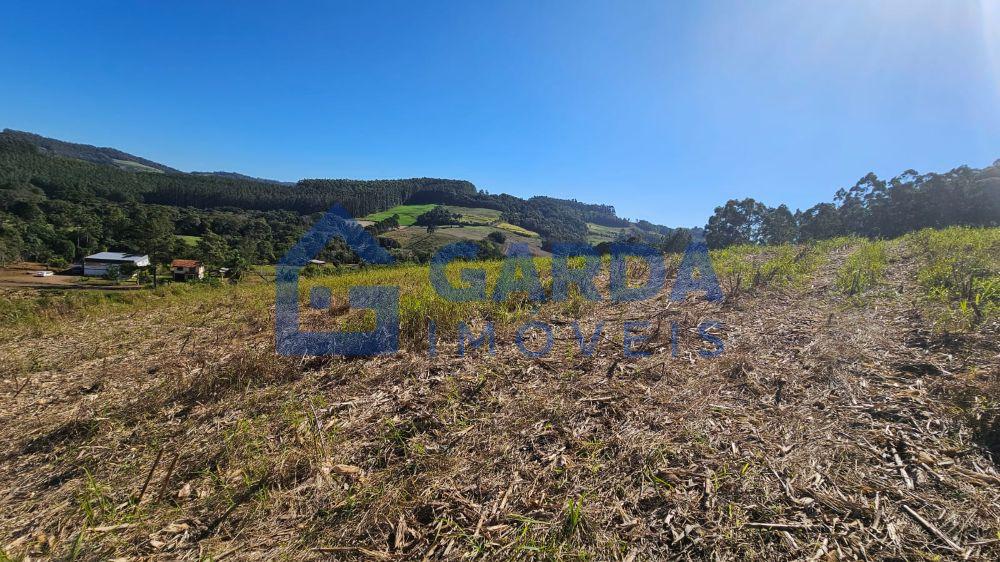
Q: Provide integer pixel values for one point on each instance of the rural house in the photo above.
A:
(97, 265)
(184, 270)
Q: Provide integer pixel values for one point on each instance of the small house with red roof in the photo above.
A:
(185, 270)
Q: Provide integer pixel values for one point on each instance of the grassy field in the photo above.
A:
(475, 215)
(488, 217)
(417, 238)
(137, 167)
(407, 213)
(474, 224)
(597, 233)
(516, 229)
(189, 240)
(162, 424)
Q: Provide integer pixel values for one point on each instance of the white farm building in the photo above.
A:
(97, 264)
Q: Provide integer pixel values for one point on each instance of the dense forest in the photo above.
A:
(60, 201)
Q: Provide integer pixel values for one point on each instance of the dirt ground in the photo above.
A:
(827, 429)
(22, 275)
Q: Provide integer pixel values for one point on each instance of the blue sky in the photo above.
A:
(663, 109)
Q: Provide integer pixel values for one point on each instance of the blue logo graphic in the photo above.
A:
(517, 275)
(289, 340)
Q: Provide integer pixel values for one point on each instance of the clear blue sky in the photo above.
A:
(663, 109)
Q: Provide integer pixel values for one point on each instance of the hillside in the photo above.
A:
(96, 155)
(852, 414)
(60, 201)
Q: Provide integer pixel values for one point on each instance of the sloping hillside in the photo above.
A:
(852, 414)
(466, 224)
(87, 153)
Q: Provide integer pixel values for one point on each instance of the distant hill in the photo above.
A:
(113, 157)
(88, 153)
(236, 176)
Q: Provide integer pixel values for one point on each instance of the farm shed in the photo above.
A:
(97, 265)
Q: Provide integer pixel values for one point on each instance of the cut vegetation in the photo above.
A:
(171, 429)
(838, 403)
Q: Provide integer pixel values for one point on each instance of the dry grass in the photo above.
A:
(167, 428)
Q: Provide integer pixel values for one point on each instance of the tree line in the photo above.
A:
(872, 207)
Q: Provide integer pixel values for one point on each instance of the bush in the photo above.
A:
(58, 263)
(436, 217)
(388, 243)
(487, 250)
(497, 236)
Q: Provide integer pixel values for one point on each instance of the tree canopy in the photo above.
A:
(872, 207)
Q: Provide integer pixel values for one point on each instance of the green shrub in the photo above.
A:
(863, 269)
